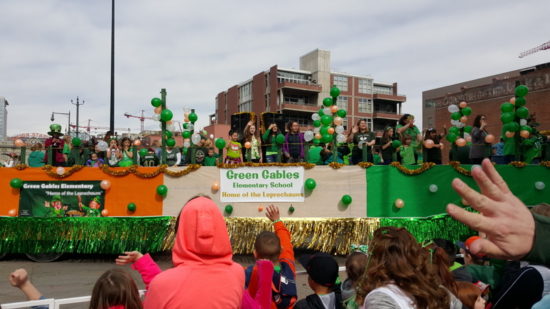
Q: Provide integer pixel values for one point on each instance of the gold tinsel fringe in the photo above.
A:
(365, 164)
(545, 164)
(335, 165)
(417, 171)
(68, 171)
(518, 164)
(306, 165)
(333, 235)
(457, 167)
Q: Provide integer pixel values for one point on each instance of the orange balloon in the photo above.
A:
(428, 143)
(510, 134)
(158, 110)
(12, 212)
(19, 143)
(460, 142)
(137, 142)
(338, 121)
(104, 213)
(260, 209)
(513, 100)
(330, 131)
(215, 186)
(334, 109)
(462, 104)
(490, 138)
(399, 203)
(318, 135)
(463, 119)
(524, 133)
(105, 184)
(247, 145)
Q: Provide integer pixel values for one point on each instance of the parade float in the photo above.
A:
(54, 210)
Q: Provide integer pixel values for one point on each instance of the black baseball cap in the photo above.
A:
(321, 268)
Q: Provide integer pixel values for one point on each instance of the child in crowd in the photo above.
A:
(272, 147)
(233, 149)
(254, 153)
(314, 155)
(277, 248)
(113, 289)
(114, 155)
(470, 295)
(211, 157)
(386, 145)
(355, 267)
(376, 158)
(94, 161)
(293, 147)
(322, 270)
(36, 157)
(173, 156)
(150, 158)
(407, 151)
(126, 151)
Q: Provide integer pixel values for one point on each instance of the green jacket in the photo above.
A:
(541, 250)
(269, 142)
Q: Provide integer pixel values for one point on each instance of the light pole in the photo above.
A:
(112, 116)
(68, 121)
(77, 112)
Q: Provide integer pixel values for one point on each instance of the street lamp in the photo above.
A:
(68, 122)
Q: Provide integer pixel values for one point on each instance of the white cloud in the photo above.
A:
(52, 51)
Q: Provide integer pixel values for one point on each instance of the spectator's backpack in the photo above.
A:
(283, 285)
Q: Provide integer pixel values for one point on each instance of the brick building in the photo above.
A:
(299, 93)
(485, 95)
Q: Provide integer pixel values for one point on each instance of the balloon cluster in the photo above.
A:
(328, 121)
(459, 118)
(514, 116)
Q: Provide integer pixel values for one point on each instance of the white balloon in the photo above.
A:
(211, 136)
(156, 117)
(316, 130)
(315, 116)
(102, 146)
(196, 138)
(433, 188)
(327, 111)
(60, 170)
(539, 185)
(186, 144)
(523, 122)
(339, 129)
(308, 136)
(340, 138)
(453, 108)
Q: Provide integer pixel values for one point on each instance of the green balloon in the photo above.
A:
(185, 125)
(186, 134)
(334, 92)
(468, 129)
(316, 141)
(291, 209)
(168, 134)
(527, 128)
(396, 143)
(321, 112)
(162, 190)
(451, 137)
(317, 123)
(220, 143)
(522, 112)
(507, 117)
(324, 130)
(326, 120)
(521, 91)
(228, 209)
(466, 111)
(76, 141)
(170, 142)
(143, 152)
(346, 199)
(456, 116)
(193, 117)
(16, 183)
(280, 139)
(328, 102)
(156, 102)
(326, 138)
(512, 127)
(310, 184)
(166, 115)
(454, 130)
(341, 113)
(507, 107)
(520, 102)
(131, 207)
(126, 162)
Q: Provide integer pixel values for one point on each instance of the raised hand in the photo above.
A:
(18, 277)
(272, 213)
(128, 258)
(508, 224)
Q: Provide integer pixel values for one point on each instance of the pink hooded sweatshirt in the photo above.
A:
(204, 274)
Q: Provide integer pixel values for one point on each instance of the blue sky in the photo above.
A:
(52, 51)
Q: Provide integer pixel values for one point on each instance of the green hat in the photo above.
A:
(97, 199)
(56, 198)
(55, 129)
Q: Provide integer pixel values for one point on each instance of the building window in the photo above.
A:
(365, 105)
(383, 90)
(245, 98)
(293, 77)
(341, 82)
(342, 102)
(365, 86)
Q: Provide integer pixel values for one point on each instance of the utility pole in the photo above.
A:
(77, 112)
(112, 116)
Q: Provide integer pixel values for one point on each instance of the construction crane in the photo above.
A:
(143, 117)
(544, 46)
(96, 128)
